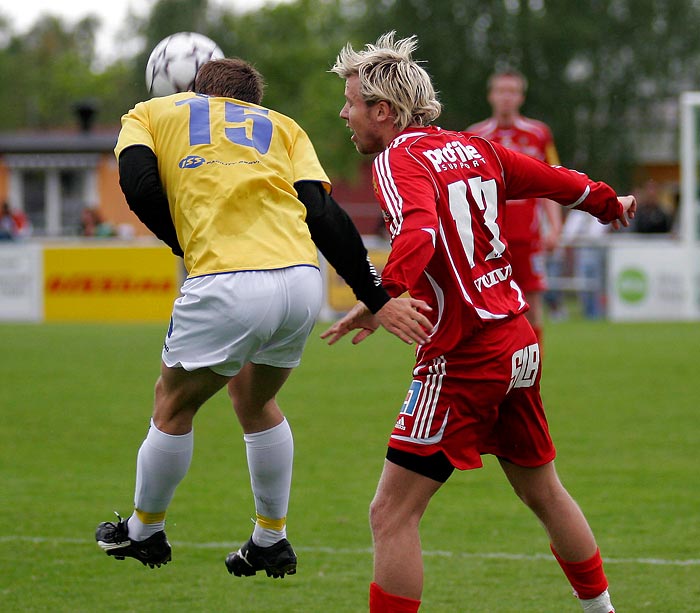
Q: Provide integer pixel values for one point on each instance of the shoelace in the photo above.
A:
(117, 527)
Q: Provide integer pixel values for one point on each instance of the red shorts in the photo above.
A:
(528, 262)
(481, 398)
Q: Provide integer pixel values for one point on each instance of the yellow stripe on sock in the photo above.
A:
(270, 524)
(150, 518)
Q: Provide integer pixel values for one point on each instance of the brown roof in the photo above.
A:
(57, 141)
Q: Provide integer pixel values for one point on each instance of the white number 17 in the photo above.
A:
(486, 198)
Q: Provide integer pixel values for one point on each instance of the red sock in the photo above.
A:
(587, 577)
(383, 602)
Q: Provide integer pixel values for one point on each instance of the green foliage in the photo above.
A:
(51, 69)
(600, 71)
(169, 16)
(622, 404)
(294, 45)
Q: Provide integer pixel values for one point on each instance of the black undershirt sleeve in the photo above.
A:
(337, 238)
(140, 183)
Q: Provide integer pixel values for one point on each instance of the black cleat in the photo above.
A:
(114, 540)
(277, 560)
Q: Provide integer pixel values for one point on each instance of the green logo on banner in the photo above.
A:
(632, 285)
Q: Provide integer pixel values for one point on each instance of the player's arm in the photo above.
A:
(414, 223)
(337, 238)
(413, 244)
(526, 177)
(555, 222)
(140, 183)
(551, 155)
(553, 212)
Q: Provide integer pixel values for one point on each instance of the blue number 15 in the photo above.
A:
(200, 125)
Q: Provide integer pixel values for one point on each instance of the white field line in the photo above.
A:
(537, 557)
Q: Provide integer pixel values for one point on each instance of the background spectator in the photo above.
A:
(652, 217)
(583, 233)
(92, 224)
(8, 226)
(14, 224)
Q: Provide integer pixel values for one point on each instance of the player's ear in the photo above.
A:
(384, 111)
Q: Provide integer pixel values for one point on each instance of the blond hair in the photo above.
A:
(387, 72)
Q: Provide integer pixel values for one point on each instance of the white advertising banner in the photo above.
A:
(21, 282)
(653, 280)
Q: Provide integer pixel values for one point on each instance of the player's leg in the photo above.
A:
(252, 392)
(179, 394)
(269, 446)
(529, 272)
(270, 454)
(571, 538)
(162, 462)
(395, 513)
(267, 435)
(164, 457)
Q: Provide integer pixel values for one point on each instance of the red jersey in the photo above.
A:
(533, 138)
(443, 195)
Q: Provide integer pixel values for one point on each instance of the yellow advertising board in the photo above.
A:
(109, 283)
(339, 295)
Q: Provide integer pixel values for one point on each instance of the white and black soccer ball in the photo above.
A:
(174, 62)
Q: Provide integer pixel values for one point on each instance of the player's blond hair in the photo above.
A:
(387, 72)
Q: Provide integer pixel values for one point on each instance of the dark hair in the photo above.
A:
(230, 78)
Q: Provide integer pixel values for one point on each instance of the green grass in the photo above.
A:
(75, 404)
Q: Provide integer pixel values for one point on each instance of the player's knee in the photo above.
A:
(541, 500)
(173, 403)
(242, 397)
(375, 512)
(380, 516)
(234, 395)
(387, 517)
(161, 397)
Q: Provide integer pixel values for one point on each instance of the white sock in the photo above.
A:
(599, 604)
(163, 461)
(270, 456)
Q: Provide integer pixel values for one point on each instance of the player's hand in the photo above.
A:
(403, 318)
(400, 316)
(629, 208)
(551, 241)
(359, 317)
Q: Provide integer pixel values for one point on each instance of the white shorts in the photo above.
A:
(225, 320)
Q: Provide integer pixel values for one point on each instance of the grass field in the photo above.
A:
(75, 402)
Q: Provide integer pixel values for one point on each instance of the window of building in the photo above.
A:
(53, 190)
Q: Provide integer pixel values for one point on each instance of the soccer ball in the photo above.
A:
(174, 62)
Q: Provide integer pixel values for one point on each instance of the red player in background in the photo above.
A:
(527, 241)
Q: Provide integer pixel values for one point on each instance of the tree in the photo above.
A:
(294, 45)
(50, 70)
(598, 69)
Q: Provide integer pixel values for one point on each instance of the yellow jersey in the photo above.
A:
(228, 169)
